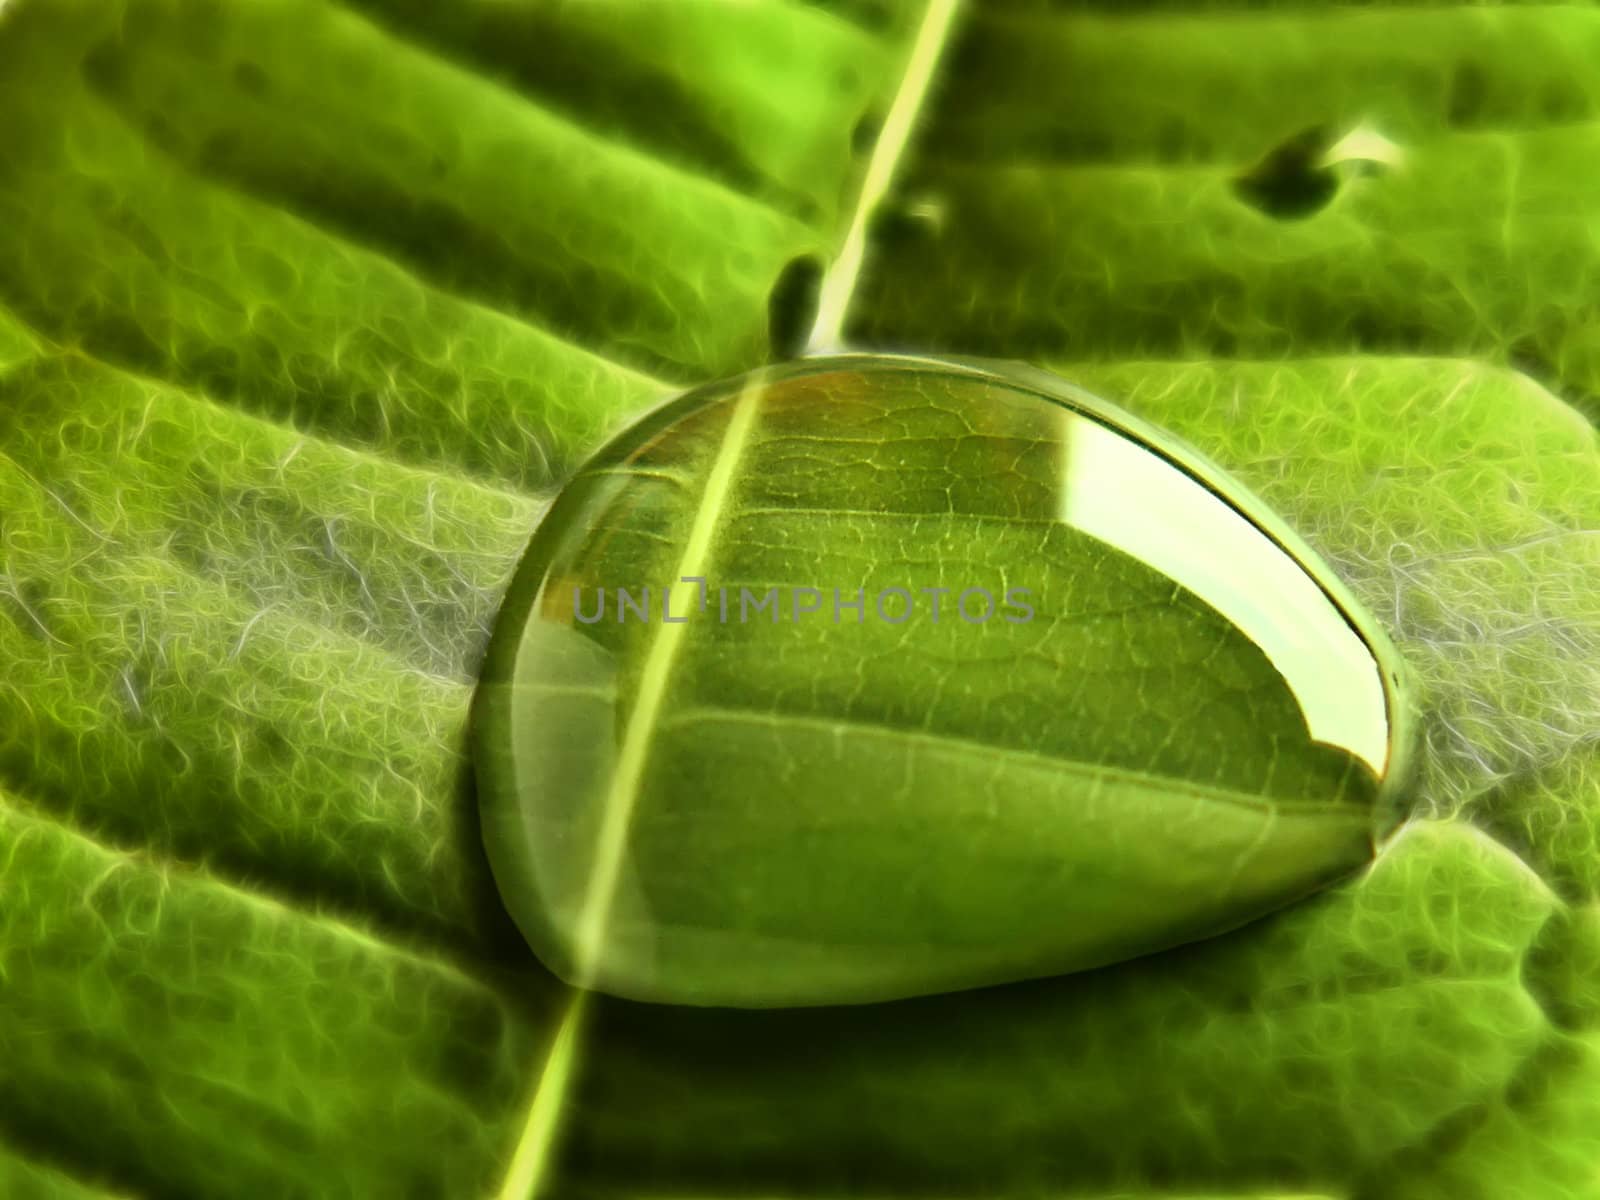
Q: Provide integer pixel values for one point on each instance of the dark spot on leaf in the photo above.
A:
(1288, 183)
(792, 306)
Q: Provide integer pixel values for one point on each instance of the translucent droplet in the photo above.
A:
(868, 677)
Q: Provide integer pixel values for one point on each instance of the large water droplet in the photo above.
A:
(868, 677)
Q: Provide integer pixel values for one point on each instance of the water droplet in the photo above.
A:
(870, 676)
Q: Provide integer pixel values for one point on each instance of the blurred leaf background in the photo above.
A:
(305, 309)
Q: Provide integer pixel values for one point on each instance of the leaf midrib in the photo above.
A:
(531, 1155)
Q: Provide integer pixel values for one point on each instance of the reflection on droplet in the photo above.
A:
(873, 676)
(1116, 490)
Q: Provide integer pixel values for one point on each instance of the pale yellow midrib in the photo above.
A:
(623, 793)
(528, 1162)
(839, 283)
(531, 1156)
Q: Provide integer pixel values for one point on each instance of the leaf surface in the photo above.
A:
(1082, 1054)
(1175, 164)
(267, 455)
(304, 309)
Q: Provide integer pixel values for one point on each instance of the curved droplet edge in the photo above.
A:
(1391, 807)
(490, 731)
(489, 727)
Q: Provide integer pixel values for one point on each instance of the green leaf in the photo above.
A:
(762, 98)
(1381, 1009)
(1468, 235)
(1412, 476)
(168, 561)
(27, 1180)
(1037, 84)
(305, 307)
(266, 457)
(273, 1050)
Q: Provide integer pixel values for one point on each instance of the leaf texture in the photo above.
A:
(304, 309)
(1294, 432)
(1189, 209)
(271, 439)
